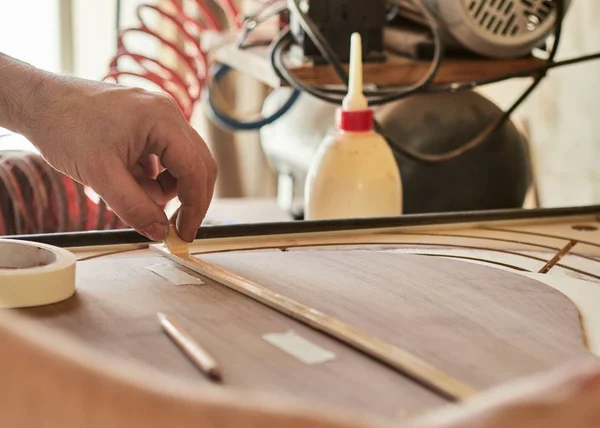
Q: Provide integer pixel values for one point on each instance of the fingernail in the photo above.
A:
(156, 232)
(187, 237)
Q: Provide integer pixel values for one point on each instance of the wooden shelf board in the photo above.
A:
(396, 71)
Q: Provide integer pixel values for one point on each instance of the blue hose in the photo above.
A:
(219, 72)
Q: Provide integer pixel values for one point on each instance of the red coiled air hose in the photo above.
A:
(35, 198)
(184, 83)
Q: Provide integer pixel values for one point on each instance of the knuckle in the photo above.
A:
(165, 101)
(138, 96)
(136, 210)
(214, 172)
(212, 168)
(191, 174)
(138, 92)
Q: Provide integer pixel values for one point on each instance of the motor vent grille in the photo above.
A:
(510, 18)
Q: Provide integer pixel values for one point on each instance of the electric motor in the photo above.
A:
(491, 28)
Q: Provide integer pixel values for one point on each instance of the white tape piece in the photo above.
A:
(175, 275)
(299, 347)
(33, 274)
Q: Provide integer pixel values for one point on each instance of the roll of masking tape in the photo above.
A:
(33, 274)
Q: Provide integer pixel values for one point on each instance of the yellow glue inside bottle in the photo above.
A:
(354, 173)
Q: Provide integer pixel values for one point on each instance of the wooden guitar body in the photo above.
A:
(482, 299)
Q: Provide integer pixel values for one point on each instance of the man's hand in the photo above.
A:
(132, 147)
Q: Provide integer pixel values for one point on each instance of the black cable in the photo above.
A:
(327, 52)
(393, 13)
(455, 86)
(311, 29)
(373, 98)
(283, 41)
(278, 64)
(495, 125)
(276, 57)
(265, 6)
(325, 93)
(254, 21)
(318, 39)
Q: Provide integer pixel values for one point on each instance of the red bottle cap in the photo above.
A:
(355, 121)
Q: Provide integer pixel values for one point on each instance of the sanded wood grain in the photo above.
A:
(481, 325)
(114, 311)
(50, 380)
(522, 261)
(399, 359)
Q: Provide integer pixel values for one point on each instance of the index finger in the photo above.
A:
(189, 162)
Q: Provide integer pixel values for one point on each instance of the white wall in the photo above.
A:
(95, 37)
(562, 116)
(29, 31)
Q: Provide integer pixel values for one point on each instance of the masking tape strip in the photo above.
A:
(174, 275)
(299, 347)
(33, 274)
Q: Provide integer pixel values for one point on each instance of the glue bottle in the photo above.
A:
(354, 173)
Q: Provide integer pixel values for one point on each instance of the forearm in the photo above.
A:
(20, 94)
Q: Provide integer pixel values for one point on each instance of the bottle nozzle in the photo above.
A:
(355, 100)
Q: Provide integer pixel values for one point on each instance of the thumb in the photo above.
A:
(132, 204)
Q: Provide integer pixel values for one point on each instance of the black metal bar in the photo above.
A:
(129, 236)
